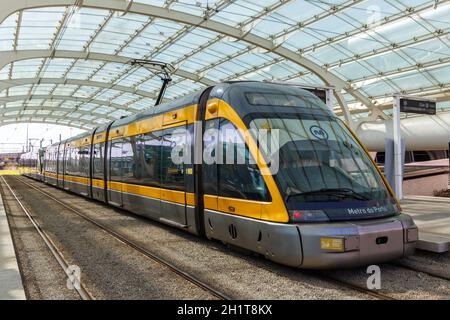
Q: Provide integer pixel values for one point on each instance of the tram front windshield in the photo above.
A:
(321, 168)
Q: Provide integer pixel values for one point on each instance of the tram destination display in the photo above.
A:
(417, 106)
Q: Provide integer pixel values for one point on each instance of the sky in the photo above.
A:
(13, 136)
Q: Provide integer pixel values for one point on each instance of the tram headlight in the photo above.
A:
(332, 244)
(308, 215)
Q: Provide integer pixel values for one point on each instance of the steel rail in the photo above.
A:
(373, 293)
(428, 273)
(187, 276)
(81, 290)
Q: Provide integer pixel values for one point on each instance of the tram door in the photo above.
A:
(60, 165)
(173, 188)
(116, 163)
(84, 154)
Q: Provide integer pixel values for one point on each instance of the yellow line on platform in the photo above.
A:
(9, 172)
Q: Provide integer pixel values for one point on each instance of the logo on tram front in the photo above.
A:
(318, 132)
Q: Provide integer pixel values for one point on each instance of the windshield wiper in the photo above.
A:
(339, 192)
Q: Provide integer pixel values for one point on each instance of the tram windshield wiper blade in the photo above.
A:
(340, 192)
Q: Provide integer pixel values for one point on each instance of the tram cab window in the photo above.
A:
(239, 176)
(317, 154)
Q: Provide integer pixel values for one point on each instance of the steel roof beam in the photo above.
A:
(58, 98)
(52, 109)
(7, 57)
(75, 122)
(6, 84)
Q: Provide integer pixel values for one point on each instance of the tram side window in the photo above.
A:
(47, 161)
(172, 173)
(72, 162)
(98, 161)
(239, 177)
(149, 155)
(83, 153)
(210, 142)
(50, 166)
(68, 161)
(116, 160)
(53, 161)
(130, 168)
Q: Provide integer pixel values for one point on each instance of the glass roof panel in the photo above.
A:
(327, 54)
(25, 68)
(83, 69)
(68, 104)
(240, 11)
(158, 3)
(103, 110)
(109, 71)
(142, 104)
(431, 50)
(381, 47)
(37, 28)
(88, 106)
(299, 10)
(42, 89)
(65, 89)
(411, 81)
(85, 91)
(52, 103)
(299, 40)
(43, 112)
(441, 74)
(7, 31)
(438, 17)
(120, 113)
(126, 98)
(56, 68)
(80, 28)
(106, 94)
(19, 90)
(150, 85)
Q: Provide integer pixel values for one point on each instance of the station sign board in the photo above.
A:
(417, 106)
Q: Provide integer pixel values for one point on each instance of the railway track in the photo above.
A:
(428, 273)
(185, 275)
(56, 253)
(317, 274)
(322, 275)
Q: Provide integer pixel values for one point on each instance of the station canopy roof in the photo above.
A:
(67, 61)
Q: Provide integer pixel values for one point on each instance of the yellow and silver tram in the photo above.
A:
(325, 205)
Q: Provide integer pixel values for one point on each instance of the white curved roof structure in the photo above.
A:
(67, 61)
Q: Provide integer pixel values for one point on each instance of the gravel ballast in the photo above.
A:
(239, 274)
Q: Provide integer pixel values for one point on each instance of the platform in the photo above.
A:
(11, 287)
(432, 216)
